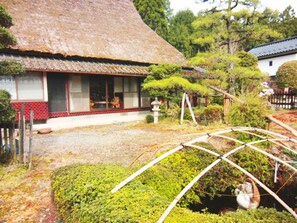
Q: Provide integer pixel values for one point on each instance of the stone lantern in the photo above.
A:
(156, 109)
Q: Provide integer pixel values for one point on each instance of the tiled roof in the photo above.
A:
(49, 64)
(103, 29)
(285, 46)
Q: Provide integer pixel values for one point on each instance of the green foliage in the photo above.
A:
(236, 73)
(82, 193)
(6, 111)
(261, 215)
(161, 71)
(247, 59)
(211, 113)
(165, 81)
(283, 22)
(6, 38)
(181, 32)
(11, 68)
(172, 88)
(250, 113)
(229, 24)
(5, 18)
(171, 175)
(153, 13)
(286, 75)
(173, 111)
(149, 119)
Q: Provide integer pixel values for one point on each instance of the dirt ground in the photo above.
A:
(25, 196)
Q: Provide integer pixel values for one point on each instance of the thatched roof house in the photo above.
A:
(82, 57)
(103, 29)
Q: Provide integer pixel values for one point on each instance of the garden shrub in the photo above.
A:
(173, 111)
(149, 118)
(251, 113)
(210, 114)
(172, 174)
(82, 194)
(6, 111)
(286, 75)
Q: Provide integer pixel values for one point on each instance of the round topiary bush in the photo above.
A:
(149, 118)
(210, 114)
(286, 75)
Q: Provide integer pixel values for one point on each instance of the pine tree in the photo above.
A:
(181, 31)
(155, 14)
(7, 68)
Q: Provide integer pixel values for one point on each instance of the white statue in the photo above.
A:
(247, 195)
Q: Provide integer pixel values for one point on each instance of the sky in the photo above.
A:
(280, 5)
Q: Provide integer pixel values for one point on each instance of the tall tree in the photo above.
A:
(222, 31)
(154, 13)
(181, 31)
(229, 23)
(284, 22)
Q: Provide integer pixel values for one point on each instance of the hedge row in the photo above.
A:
(82, 194)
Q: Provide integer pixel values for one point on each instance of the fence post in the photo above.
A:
(21, 135)
(30, 139)
(226, 105)
(11, 142)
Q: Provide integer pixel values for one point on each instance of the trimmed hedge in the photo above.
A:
(82, 194)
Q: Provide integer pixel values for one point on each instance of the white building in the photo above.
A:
(272, 55)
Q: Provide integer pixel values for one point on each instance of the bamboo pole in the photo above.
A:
(182, 109)
(250, 145)
(274, 120)
(224, 157)
(190, 108)
(199, 139)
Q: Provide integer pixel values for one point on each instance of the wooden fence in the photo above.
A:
(284, 99)
(13, 143)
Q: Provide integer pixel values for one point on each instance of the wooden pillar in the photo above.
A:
(227, 105)
(11, 143)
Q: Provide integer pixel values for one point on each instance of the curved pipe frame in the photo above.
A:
(206, 137)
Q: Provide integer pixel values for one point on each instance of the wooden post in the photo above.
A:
(5, 140)
(30, 139)
(11, 143)
(21, 135)
(226, 105)
(206, 101)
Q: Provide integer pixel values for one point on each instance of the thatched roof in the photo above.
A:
(105, 29)
(70, 65)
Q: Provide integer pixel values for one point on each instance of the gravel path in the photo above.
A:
(120, 144)
(27, 197)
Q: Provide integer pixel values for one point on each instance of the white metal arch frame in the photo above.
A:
(206, 137)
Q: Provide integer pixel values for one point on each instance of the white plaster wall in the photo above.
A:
(276, 63)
